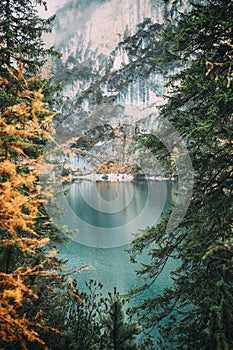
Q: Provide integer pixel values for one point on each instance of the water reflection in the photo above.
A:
(107, 214)
(112, 266)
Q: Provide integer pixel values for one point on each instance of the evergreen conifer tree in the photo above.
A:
(118, 334)
(196, 312)
(21, 31)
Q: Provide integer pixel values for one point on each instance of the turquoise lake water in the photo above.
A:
(105, 216)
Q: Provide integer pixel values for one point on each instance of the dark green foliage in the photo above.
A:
(21, 34)
(197, 311)
(118, 334)
(77, 317)
(21, 31)
(71, 70)
(94, 135)
(88, 320)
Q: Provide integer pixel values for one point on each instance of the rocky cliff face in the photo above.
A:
(112, 73)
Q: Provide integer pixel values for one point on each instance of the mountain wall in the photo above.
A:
(113, 75)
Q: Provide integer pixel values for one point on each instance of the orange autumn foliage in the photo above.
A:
(16, 328)
(23, 120)
(19, 193)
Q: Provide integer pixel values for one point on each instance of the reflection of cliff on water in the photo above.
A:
(108, 214)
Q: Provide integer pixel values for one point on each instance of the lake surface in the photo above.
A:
(105, 217)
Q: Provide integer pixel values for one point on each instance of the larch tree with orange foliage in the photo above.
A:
(22, 122)
(25, 125)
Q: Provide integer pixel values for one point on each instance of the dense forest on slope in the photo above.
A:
(196, 312)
